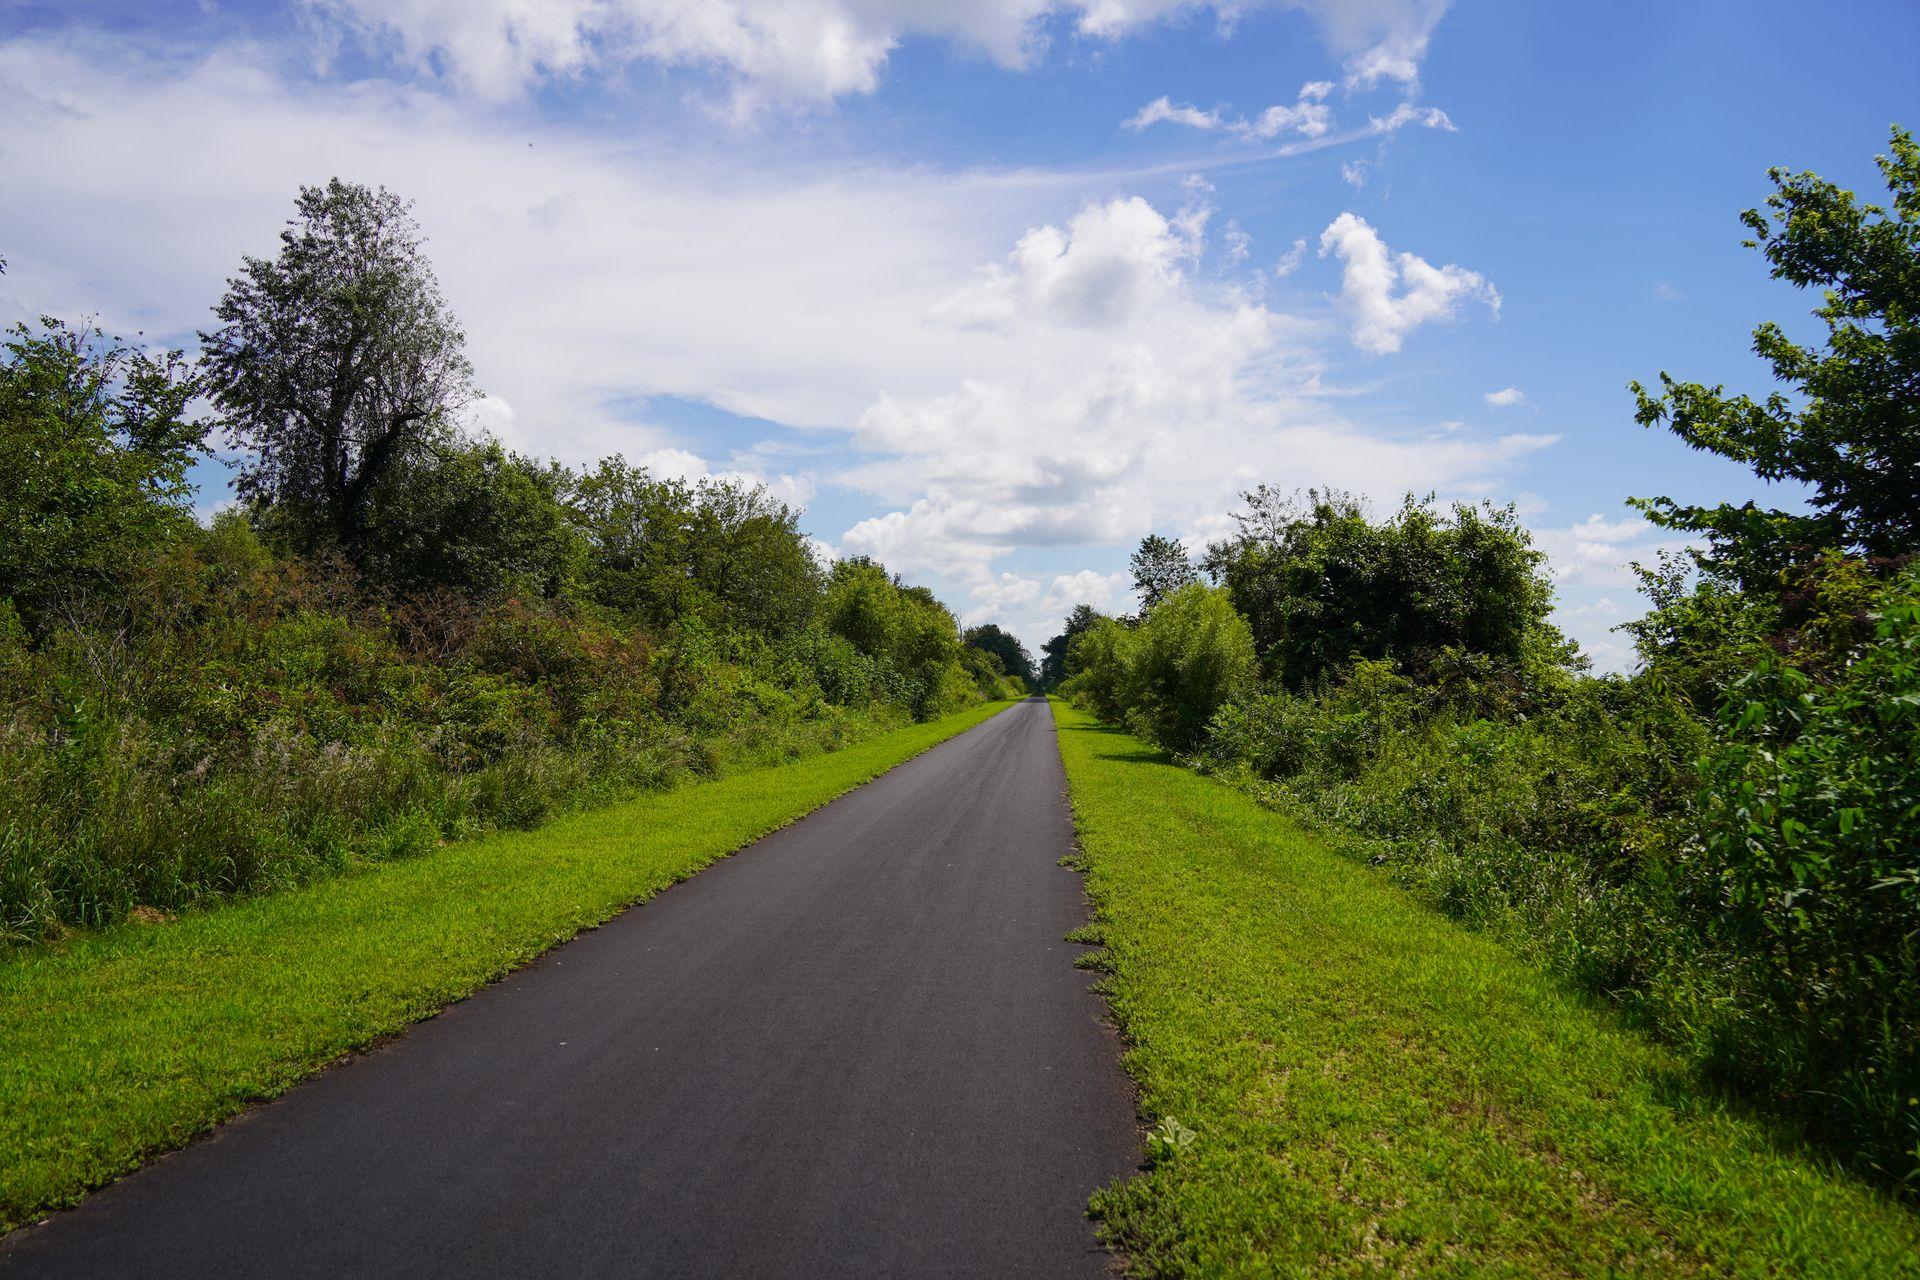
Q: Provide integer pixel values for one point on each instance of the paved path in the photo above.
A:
(858, 1048)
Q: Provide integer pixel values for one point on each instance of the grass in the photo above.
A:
(1372, 1089)
(118, 1045)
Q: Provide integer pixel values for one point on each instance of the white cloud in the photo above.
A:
(1111, 260)
(1354, 173)
(1666, 292)
(1290, 260)
(683, 464)
(1162, 109)
(1405, 114)
(1505, 398)
(1396, 41)
(804, 50)
(1096, 423)
(1388, 295)
(588, 275)
(1598, 552)
(1309, 116)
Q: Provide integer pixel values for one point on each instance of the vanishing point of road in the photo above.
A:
(858, 1048)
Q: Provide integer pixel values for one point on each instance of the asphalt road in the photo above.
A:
(857, 1048)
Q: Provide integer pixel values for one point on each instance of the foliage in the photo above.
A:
(1160, 567)
(1014, 658)
(1322, 585)
(1806, 847)
(336, 363)
(911, 635)
(1850, 429)
(95, 442)
(408, 634)
(1055, 661)
(476, 520)
(660, 551)
(1376, 1091)
(1189, 654)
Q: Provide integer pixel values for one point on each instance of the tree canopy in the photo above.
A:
(337, 363)
(1321, 584)
(1847, 425)
(1014, 658)
(1160, 568)
(95, 441)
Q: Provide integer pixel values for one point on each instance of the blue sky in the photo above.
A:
(949, 278)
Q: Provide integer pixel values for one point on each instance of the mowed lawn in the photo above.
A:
(1373, 1090)
(125, 1043)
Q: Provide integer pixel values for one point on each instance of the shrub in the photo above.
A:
(1189, 655)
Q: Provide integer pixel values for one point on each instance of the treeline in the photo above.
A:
(402, 633)
(1726, 841)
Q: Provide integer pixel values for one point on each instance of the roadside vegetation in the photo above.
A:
(131, 1040)
(1725, 844)
(1344, 1082)
(403, 634)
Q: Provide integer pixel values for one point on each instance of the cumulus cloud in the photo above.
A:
(802, 50)
(1108, 262)
(589, 275)
(1097, 422)
(1388, 295)
(1506, 398)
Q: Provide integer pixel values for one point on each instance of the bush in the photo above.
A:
(1806, 846)
(1189, 655)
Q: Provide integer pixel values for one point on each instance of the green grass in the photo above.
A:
(118, 1045)
(1373, 1089)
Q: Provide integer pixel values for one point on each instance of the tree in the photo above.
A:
(660, 550)
(1850, 430)
(336, 364)
(1013, 656)
(95, 442)
(1321, 584)
(1160, 568)
(474, 519)
(1055, 664)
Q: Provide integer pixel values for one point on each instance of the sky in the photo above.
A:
(994, 288)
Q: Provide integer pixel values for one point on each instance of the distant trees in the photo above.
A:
(1013, 656)
(336, 366)
(1054, 664)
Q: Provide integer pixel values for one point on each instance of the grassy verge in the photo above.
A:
(1372, 1089)
(131, 1041)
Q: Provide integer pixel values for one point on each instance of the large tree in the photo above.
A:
(336, 364)
(1848, 428)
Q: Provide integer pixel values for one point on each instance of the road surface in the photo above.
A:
(857, 1048)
